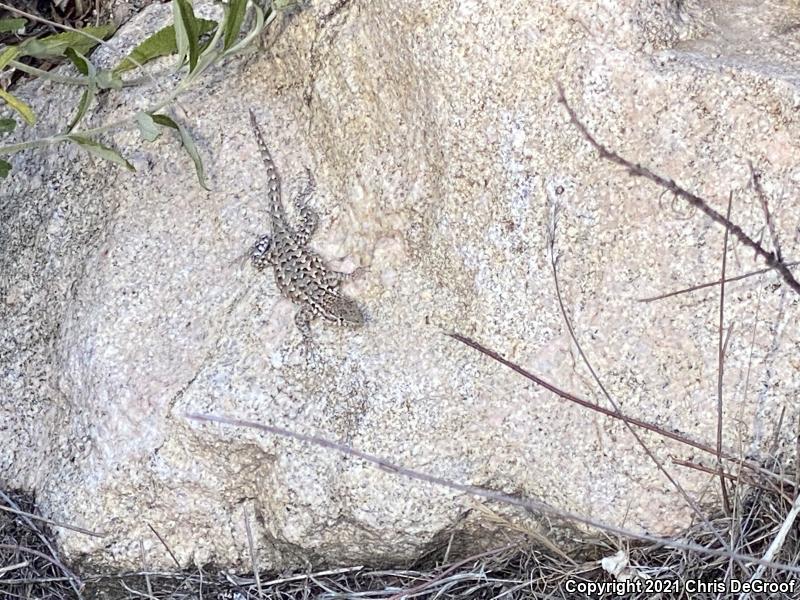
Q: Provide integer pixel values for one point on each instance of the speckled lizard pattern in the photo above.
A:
(300, 273)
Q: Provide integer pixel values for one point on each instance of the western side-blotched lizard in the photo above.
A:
(300, 273)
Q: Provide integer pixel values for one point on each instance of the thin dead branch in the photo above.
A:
(691, 502)
(703, 286)
(166, 547)
(755, 178)
(636, 422)
(533, 506)
(696, 201)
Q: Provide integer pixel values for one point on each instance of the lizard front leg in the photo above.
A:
(335, 278)
(260, 252)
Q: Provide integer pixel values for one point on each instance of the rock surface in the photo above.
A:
(438, 147)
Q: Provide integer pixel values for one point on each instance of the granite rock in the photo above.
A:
(439, 149)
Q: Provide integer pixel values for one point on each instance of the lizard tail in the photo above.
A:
(275, 204)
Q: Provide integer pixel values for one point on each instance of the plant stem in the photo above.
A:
(212, 56)
(81, 81)
(20, 66)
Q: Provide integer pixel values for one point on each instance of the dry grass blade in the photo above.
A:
(20, 565)
(319, 574)
(691, 502)
(136, 593)
(703, 286)
(723, 342)
(518, 574)
(778, 542)
(754, 482)
(33, 540)
(426, 586)
(797, 460)
(53, 523)
(144, 568)
(252, 549)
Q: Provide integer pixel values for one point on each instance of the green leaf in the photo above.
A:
(187, 32)
(85, 66)
(7, 55)
(161, 43)
(254, 32)
(7, 125)
(56, 45)
(188, 144)
(100, 150)
(233, 21)
(147, 126)
(77, 59)
(83, 106)
(181, 36)
(18, 105)
(108, 80)
(12, 24)
(5, 168)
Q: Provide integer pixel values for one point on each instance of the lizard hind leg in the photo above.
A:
(302, 319)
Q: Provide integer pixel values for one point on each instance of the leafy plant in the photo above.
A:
(198, 43)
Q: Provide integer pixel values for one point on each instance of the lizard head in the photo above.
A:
(348, 312)
(259, 252)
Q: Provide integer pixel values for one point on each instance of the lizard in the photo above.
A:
(300, 273)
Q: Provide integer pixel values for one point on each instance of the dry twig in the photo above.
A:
(771, 258)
